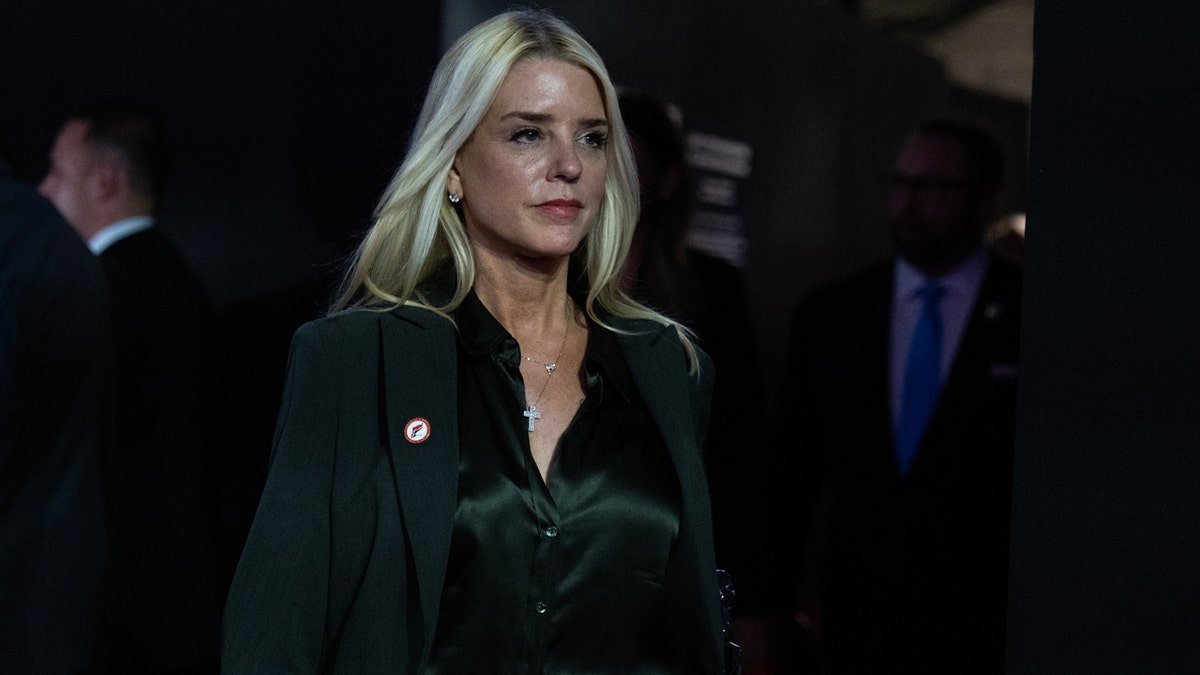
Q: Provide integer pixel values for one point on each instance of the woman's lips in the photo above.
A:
(563, 209)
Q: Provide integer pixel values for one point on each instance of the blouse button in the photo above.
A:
(540, 607)
(552, 531)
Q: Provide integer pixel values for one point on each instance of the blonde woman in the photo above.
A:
(488, 457)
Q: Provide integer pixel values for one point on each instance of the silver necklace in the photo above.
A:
(532, 412)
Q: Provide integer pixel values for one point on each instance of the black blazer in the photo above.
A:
(909, 569)
(344, 566)
(166, 613)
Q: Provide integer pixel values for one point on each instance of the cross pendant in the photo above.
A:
(532, 414)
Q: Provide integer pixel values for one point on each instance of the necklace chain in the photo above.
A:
(532, 412)
(548, 366)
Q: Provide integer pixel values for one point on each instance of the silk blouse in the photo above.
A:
(565, 575)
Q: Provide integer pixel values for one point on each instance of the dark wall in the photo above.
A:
(1106, 526)
(286, 118)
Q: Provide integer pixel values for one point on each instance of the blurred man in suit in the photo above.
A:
(896, 430)
(106, 177)
(56, 365)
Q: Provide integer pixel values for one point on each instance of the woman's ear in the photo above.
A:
(454, 183)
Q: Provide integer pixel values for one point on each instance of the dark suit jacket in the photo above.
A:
(344, 566)
(56, 364)
(907, 573)
(167, 613)
(162, 316)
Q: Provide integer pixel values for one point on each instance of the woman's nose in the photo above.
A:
(566, 164)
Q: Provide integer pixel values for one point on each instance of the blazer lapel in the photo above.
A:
(658, 366)
(421, 407)
(664, 386)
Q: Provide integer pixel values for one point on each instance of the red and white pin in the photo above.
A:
(417, 430)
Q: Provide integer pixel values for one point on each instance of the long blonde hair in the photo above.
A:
(417, 232)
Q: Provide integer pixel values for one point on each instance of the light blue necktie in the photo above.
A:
(922, 377)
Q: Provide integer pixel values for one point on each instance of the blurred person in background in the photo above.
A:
(892, 459)
(107, 177)
(56, 370)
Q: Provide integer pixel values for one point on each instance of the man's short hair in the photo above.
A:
(136, 136)
(984, 156)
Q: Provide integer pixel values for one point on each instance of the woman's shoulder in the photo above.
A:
(656, 336)
(358, 335)
(645, 331)
(638, 325)
(363, 323)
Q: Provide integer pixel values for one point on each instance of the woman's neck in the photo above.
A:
(529, 299)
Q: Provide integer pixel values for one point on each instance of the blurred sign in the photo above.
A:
(722, 168)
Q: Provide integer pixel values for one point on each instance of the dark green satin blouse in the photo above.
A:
(564, 577)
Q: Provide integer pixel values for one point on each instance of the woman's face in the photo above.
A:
(532, 174)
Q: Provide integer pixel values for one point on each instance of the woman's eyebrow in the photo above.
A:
(545, 117)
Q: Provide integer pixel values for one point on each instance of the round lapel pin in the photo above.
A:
(417, 430)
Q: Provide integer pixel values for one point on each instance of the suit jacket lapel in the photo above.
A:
(984, 352)
(859, 344)
(878, 318)
(421, 383)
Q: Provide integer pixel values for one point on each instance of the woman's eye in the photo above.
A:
(595, 139)
(526, 135)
